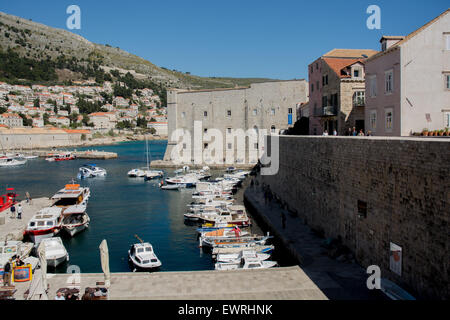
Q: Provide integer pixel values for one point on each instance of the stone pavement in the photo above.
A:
(15, 227)
(289, 283)
(337, 280)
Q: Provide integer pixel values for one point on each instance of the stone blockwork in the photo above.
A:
(402, 185)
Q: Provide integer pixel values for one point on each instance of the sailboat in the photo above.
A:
(30, 156)
(146, 172)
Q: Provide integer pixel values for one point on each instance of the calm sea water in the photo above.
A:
(119, 207)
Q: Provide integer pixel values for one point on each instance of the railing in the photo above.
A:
(359, 102)
(325, 111)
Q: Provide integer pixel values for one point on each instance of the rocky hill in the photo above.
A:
(36, 41)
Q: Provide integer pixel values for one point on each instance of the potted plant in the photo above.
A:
(446, 132)
(425, 132)
(441, 133)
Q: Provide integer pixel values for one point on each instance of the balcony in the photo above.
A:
(359, 102)
(328, 111)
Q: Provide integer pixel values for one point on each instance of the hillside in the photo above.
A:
(73, 57)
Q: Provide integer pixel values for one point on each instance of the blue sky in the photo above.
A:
(246, 38)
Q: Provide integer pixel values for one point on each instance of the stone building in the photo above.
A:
(12, 120)
(337, 89)
(269, 106)
(408, 82)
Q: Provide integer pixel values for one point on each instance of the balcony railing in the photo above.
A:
(326, 111)
(359, 102)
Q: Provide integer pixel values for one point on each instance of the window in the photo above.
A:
(272, 129)
(359, 98)
(362, 209)
(290, 110)
(447, 81)
(205, 113)
(311, 69)
(312, 87)
(255, 112)
(205, 130)
(317, 66)
(230, 146)
(229, 130)
(255, 146)
(373, 119)
(184, 146)
(389, 81)
(447, 119)
(373, 86)
(356, 73)
(205, 146)
(229, 113)
(447, 41)
(317, 85)
(183, 114)
(272, 111)
(389, 116)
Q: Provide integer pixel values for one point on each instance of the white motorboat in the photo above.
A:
(268, 249)
(142, 256)
(75, 219)
(237, 257)
(30, 157)
(9, 249)
(11, 162)
(136, 173)
(45, 224)
(211, 237)
(246, 263)
(90, 171)
(173, 187)
(55, 252)
(153, 174)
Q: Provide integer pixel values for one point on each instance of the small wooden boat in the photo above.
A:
(75, 219)
(176, 187)
(268, 249)
(237, 257)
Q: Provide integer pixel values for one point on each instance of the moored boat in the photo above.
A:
(56, 157)
(142, 256)
(45, 224)
(55, 252)
(90, 171)
(75, 220)
(246, 263)
(237, 257)
(71, 195)
(8, 199)
(11, 162)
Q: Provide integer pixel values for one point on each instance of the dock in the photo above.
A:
(14, 228)
(289, 283)
(88, 154)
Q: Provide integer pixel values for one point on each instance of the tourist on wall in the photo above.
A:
(349, 132)
(361, 133)
(325, 133)
(19, 211)
(369, 133)
(13, 212)
(28, 197)
(335, 133)
(354, 132)
(7, 274)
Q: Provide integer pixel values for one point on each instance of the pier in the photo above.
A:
(14, 228)
(88, 154)
(289, 283)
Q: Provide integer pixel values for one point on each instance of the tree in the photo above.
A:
(3, 110)
(36, 103)
(141, 122)
(26, 122)
(46, 117)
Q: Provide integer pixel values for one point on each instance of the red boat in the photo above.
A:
(8, 199)
(60, 157)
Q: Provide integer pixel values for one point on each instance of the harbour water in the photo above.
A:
(119, 207)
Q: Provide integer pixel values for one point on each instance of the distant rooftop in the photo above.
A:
(350, 53)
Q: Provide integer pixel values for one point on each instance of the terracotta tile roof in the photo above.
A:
(338, 64)
(350, 53)
(411, 35)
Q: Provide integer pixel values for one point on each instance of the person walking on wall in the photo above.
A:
(19, 211)
(354, 132)
(28, 197)
(13, 211)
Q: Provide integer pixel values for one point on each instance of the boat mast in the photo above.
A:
(137, 237)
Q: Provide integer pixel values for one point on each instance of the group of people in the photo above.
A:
(350, 133)
(15, 261)
(89, 294)
(13, 211)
